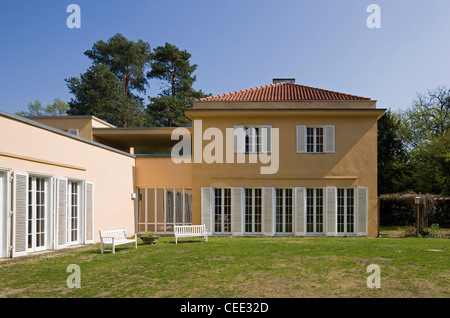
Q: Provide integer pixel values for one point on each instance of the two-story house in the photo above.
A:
(325, 182)
(280, 159)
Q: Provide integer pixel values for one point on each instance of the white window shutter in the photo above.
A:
(89, 213)
(61, 213)
(268, 211)
(20, 214)
(361, 206)
(237, 210)
(301, 138)
(331, 216)
(239, 139)
(300, 210)
(207, 207)
(329, 138)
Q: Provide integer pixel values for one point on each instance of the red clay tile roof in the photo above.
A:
(282, 92)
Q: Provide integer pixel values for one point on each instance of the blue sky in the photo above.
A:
(237, 44)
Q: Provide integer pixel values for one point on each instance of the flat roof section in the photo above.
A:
(149, 137)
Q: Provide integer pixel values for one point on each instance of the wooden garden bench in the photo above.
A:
(115, 237)
(190, 231)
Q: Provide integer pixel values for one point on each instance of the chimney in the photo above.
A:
(284, 80)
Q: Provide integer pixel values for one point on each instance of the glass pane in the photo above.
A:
(340, 210)
(279, 210)
(350, 211)
(310, 139)
(248, 209)
(169, 206)
(288, 210)
(310, 210)
(258, 211)
(179, 206)
(319, 210)
(218, 210)
(188, 206)
(227, 211)
(319, 139)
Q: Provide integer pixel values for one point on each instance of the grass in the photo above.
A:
(238, 267)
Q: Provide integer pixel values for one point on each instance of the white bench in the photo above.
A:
(114, 238)
(190, 231)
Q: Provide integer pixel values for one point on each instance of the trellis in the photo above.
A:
(423, 205)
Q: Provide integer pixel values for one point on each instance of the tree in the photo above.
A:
(425, 130)
(126, 59)
(57, 108)
(172, 66)
(428, 117)
(431, 165)
(392, 155)
(105, 90)
(100, 93)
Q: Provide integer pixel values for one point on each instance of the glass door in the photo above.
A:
(222, 211)
(73, 215)
(37, 212)
(314, 211)
(283, 213)
(253, 211)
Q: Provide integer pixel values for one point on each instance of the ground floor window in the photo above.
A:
(222, 210)
(314, 211)
(283, 213)
(37, 213)
(253, 210)
(345, 211)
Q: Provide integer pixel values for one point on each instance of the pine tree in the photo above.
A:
(172, 66)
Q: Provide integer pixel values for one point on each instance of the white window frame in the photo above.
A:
(328, 139)
(264, 132)
(284, 210)
(346, 210)
(315, 144)
(33, 206)
(80, 213)
(222, 209)
(315, 210)
(253, 211)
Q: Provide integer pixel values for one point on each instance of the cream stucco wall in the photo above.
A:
(39, 151)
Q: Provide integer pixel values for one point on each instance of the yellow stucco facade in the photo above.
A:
(353, 163)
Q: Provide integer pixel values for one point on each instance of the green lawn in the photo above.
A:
(239, 267)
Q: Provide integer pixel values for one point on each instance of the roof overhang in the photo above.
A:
(283, 112)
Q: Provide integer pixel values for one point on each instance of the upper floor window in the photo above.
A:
(253, 139)
(315, 139)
